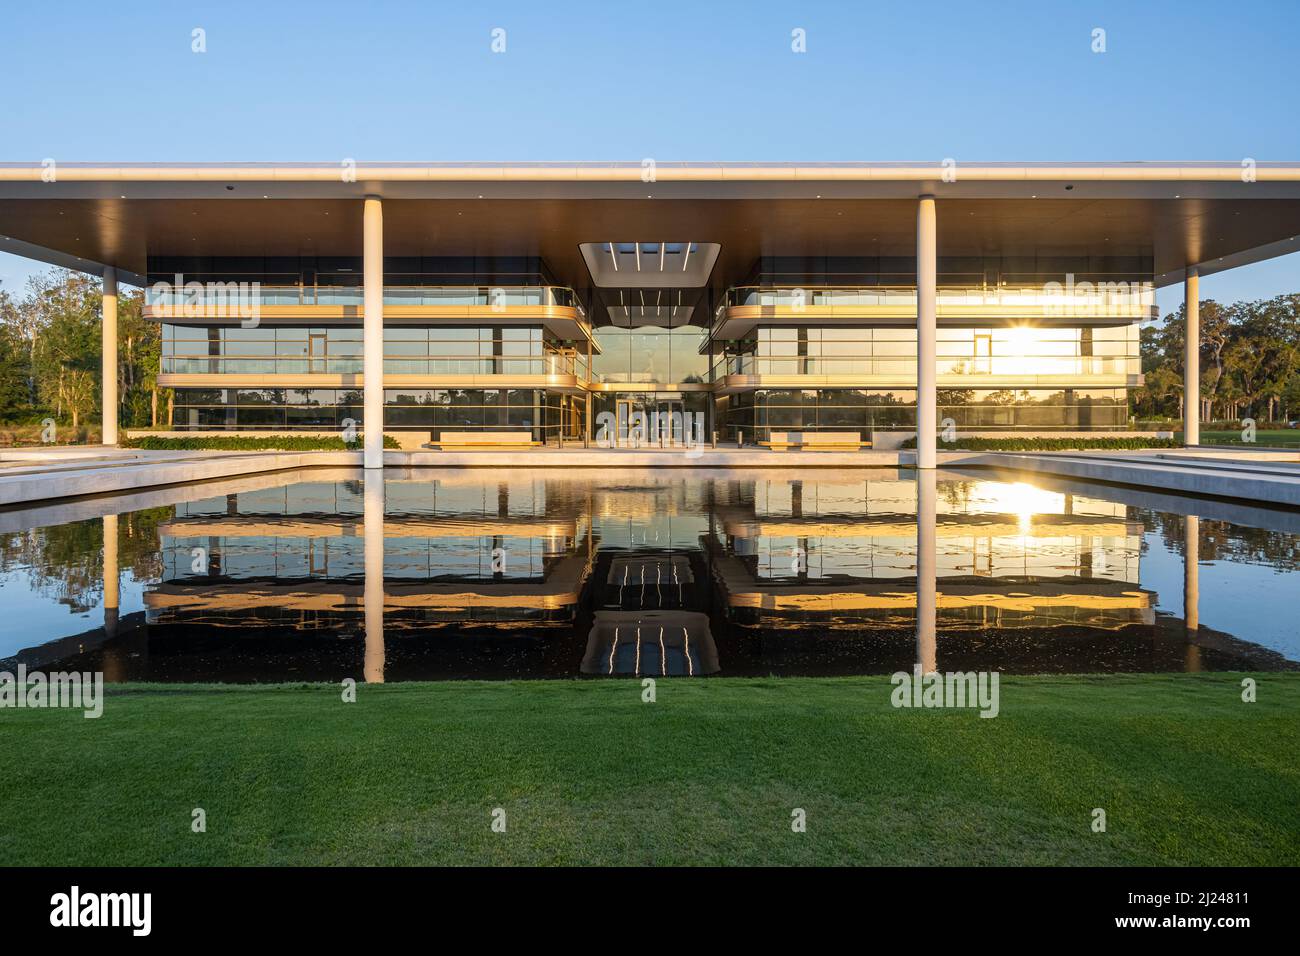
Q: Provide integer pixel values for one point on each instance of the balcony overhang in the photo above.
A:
(395, 526)
(1044, 526)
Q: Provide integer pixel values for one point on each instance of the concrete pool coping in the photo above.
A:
(1271, 482)
(1266, 476)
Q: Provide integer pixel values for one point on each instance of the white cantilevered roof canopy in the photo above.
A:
(1210, 215)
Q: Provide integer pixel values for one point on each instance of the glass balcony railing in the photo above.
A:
(552, 363)
(1017, 365)
(245, 295)
(1065, 298)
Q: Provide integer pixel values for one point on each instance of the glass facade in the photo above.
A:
(408, 350)
(850, 371)
(757, 413)
(482, 409)
(286, 408)
(1006, 351)
(326, 409)
(649, 354)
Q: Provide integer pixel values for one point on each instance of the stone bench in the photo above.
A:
(484, 439)
(816, 441)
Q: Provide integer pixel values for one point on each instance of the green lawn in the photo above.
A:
(587, 773)
(1275, 438)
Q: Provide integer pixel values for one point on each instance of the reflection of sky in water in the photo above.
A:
(29, 618)
(1250, 601)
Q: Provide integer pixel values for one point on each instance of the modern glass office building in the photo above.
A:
(496, 345)
(617, 304)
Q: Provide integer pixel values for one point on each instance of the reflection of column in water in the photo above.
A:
(373, 595)
(111, 588)
(1192, 590)
(926, 564)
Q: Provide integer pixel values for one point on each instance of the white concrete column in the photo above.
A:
(927, 426)
(373, 592)
(1192, 358)
(372, 334)
(927, 593)
(108, 358)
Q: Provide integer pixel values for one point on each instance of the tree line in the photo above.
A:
(50, 354)
(1250, 362)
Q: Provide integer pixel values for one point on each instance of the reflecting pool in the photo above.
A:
(322, 575)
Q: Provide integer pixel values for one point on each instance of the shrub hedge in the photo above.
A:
(1029, 443)
(250, 443)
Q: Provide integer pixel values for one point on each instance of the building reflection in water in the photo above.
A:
(976, 573)
(112, 577)
(927, 595)
(1192, 589)
(834, 572)
(373, 596)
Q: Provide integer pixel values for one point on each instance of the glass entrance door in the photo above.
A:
(625, 418)
(672, 423)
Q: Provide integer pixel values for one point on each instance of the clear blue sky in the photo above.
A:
(919, 80)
